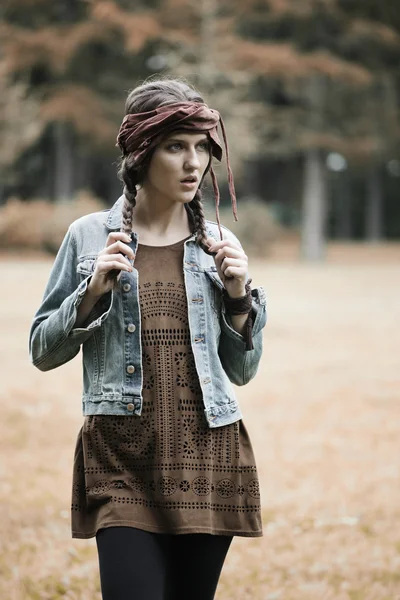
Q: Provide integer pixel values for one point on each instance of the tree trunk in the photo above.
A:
(82, 169)
(314, 186)
(64, 162)
(207, 69)
(2, 194)
(374, 208)
(314, 207)
(343, 228)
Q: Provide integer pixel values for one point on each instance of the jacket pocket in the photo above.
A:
(216, 286)
(86, 265)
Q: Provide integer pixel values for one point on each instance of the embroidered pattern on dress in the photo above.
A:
(168, 486)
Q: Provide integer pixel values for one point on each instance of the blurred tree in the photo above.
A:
(238, 71)
(288, 47)
(78, 58)
(19, 126)
(374, 41)
(294, 79)
(197, 38)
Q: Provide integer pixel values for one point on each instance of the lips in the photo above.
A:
(189, 179)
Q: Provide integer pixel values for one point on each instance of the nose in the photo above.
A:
(192, 159)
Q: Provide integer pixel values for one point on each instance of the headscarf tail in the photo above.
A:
(230, 174)
(216, 196)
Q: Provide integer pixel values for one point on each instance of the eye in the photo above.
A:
(174, 146)
(204, 145)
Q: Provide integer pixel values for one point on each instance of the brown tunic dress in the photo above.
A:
(165, 471)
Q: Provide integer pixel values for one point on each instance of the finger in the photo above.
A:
(106, 258)
(236, 272)
(116, 256)
(115, 236)
(240, 270)
(224, 243)
(106, 266)
(230, 260)
(234, 262)
(119, 246)
(227, 252)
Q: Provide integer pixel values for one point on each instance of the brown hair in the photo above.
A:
(146, 97)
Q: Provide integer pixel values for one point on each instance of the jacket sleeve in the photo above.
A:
(239, 363)
(53, 339)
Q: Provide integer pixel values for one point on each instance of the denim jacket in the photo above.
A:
(111, 336)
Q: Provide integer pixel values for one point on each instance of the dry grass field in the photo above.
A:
(323, 413)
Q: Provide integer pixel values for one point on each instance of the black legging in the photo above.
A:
(139, 565)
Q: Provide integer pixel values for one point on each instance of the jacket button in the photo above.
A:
(126, 287)
(131, 327)
(130, 369)
(130, 406)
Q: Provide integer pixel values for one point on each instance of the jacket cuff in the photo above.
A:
(99, 312)
(255, 322)
(247, 338)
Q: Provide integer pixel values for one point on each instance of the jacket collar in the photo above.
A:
(113, 220)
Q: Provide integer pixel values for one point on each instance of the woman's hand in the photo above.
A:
(110, 263)
(232, 266)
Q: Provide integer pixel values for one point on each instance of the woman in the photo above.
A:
(164, 474)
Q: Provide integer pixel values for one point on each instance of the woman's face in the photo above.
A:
(177, 166)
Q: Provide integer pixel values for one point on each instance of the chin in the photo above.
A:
(186, 199)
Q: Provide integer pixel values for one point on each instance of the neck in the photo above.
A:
(153, 217)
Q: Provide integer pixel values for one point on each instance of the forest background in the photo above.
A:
(309, 93)
(309, 90)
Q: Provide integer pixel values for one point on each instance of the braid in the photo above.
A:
(190, 213)
(128, 175)
(200, 222)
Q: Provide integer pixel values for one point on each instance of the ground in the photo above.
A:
(323, 414)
